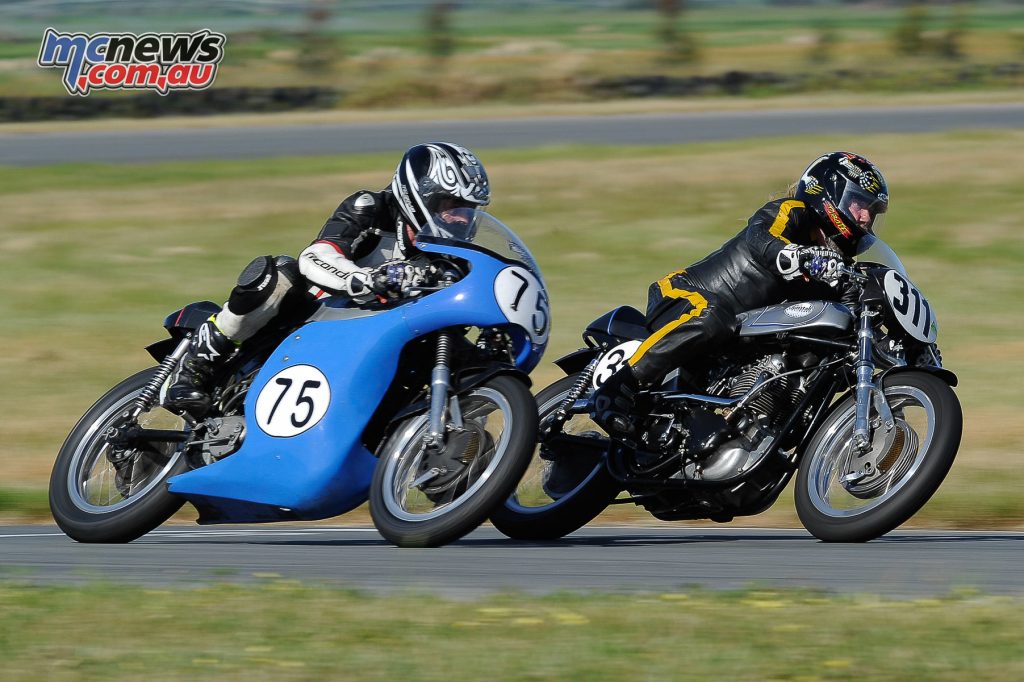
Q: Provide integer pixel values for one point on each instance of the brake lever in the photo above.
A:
(852, 274)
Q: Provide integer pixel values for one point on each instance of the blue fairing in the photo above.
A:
(326, 470)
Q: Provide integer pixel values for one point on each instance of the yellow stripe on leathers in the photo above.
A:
(698, 302)
(779, 226)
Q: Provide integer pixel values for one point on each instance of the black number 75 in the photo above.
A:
(301, 399)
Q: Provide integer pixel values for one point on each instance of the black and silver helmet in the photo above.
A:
(849, 195)
(436, 177)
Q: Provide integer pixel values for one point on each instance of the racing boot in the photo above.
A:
(613, 402)
(190, 390)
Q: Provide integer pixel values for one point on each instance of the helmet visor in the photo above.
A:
(439, 203)
(863, 208)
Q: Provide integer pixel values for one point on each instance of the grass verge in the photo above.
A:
(24, 504)
(284, 630)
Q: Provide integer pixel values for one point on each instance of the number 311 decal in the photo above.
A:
(910, 307)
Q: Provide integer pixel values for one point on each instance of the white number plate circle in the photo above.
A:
(524, 301)
(910, 307)
(293, 401)
(612, 361)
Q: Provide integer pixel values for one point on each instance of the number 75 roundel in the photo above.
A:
(524, 301)
(293, 401)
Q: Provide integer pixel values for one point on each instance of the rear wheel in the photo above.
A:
(422, 498)
(842, 498)
(99, 493)
(567, 483)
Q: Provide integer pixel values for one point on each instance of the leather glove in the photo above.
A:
(822, 264)
(817, 262)
(394, 278)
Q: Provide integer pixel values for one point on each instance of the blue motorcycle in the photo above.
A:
(421, 404)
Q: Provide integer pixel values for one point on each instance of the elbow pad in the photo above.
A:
(322, 265)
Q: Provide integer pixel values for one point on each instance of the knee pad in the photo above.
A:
(258, 296)
(255, 285)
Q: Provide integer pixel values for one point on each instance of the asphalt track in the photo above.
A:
(350, 138)
(617, 559)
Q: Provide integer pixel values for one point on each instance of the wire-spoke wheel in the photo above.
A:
(425, 498)
(566, 484)
(842, 497)
(103, 493)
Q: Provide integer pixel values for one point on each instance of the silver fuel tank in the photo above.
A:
(819, 316)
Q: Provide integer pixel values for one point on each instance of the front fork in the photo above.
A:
(441, 399)
(868, 395)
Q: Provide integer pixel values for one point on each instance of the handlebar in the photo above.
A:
(852, 274)
(435, 277)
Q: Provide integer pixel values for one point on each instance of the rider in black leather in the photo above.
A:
(364, 251)
(787, 245)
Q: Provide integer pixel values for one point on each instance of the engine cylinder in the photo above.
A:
(765, 369)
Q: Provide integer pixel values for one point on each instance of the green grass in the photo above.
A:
(95, 256)
(22, 503)
(283, 630)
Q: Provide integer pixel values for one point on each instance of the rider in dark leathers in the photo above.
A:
(365, 251)
(786, 245)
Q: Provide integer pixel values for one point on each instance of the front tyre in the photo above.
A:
(101, 495)
(911, 462)
(420, 498)
(567, 483)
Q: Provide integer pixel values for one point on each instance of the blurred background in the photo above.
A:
(95, 254)
(285, 54)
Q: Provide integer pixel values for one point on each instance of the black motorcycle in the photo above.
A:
(852, 395)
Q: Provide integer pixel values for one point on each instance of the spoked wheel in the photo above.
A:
(426, 498)
(100, 492)
(567, 483)
(841, 497)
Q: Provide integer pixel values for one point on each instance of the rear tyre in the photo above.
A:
(912, 461)
(564, 487)
(91, 499)
(424, 499)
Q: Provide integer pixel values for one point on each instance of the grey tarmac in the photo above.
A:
(181, 144)
(612, 558)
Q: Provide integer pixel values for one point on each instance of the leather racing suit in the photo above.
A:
(694, 310)
(358, 236)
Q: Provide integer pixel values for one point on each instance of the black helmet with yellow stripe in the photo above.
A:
(849, 195)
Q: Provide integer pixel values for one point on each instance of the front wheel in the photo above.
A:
(840, 501)
(99, 493)
(425, 498)
(567, 483)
